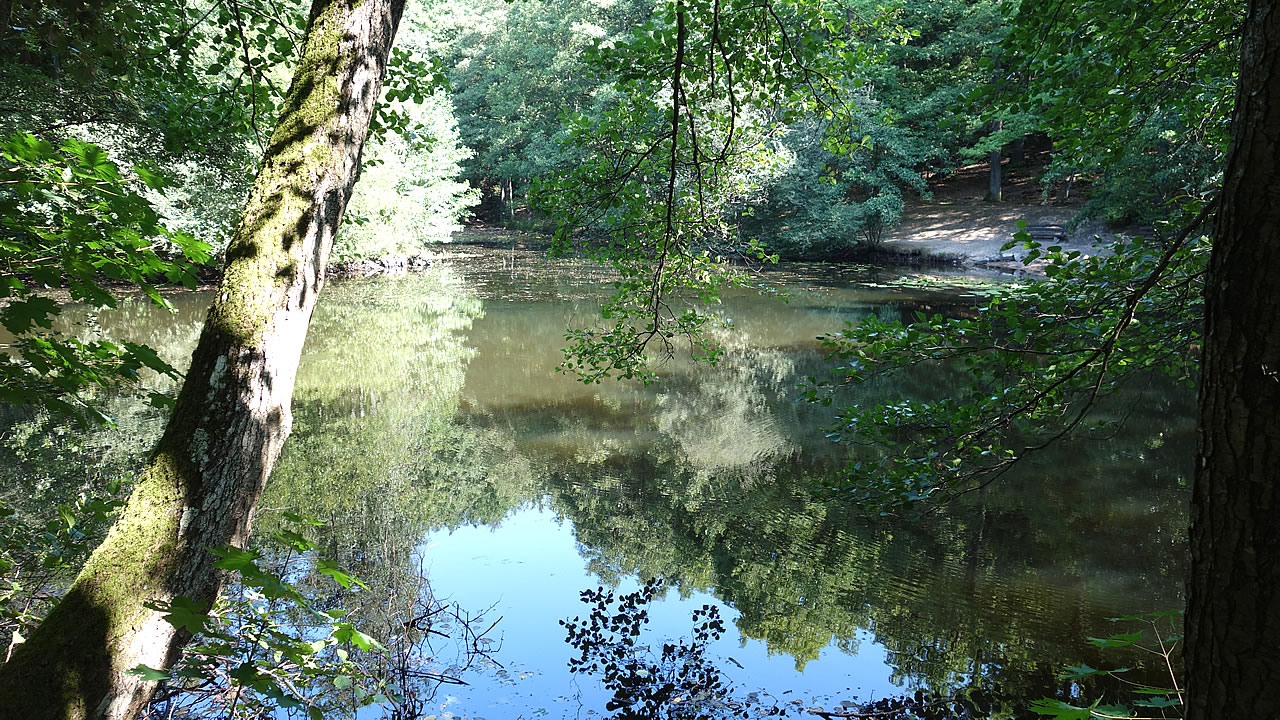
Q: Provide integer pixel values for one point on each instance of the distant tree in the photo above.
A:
(1137, 98)
(409, 195)
(824, 204)
(516, 70)
(929, 79)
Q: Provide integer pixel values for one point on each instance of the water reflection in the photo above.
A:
(429, 404)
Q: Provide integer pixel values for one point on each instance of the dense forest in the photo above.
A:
(259, 146)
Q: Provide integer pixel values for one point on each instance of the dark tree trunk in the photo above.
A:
(1018, 152)
(993, 179)
(1233, 597)
(203, 481)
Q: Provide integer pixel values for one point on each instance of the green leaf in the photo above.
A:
(1118, 640)
(150, 179)
(301, 519)
(1074, 672)
(330, 568)
(160, 400)
(246, 673)
(67, 515)
(148, 673)
(295, 540)
(1059, 709)
(20, 317)
(187, 614)
(282, 698)
(346, 633)
(1159, 702)
(233, 558)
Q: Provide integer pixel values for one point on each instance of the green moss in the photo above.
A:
(75, 644)
(141, 546)
(262, 253)
(73, 655)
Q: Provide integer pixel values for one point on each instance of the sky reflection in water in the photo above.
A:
(529, 568)
(428, 407)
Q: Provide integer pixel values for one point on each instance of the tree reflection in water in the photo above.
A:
(430, 403)
(682, 681)
(678, 682)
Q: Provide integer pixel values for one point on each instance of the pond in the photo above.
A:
(435, 438)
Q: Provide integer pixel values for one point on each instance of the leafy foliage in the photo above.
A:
(700, 88)
(263, 646)
(1162, 643)
(71, 220)
(1129, 92)
(198, 74)
(1034, 364)
(409, 82)
(36, 561)
(277, 644)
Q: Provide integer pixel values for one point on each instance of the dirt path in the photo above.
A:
(974, 231)
(957, 223)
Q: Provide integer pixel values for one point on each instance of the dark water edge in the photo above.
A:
(484, 239)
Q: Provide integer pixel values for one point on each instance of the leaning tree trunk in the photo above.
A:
(1233, 595)
(204, 478)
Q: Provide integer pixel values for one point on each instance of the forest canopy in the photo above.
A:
(682, 143)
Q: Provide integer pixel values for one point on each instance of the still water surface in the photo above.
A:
(432, 431)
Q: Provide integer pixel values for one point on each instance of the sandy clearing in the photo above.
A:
(974, 231)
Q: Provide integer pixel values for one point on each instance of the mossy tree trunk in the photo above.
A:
(1233, 593)
(201, 485)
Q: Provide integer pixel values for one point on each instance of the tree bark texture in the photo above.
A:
(994, 181)
(1018, 152)
(203, 480)
(1233, 594)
